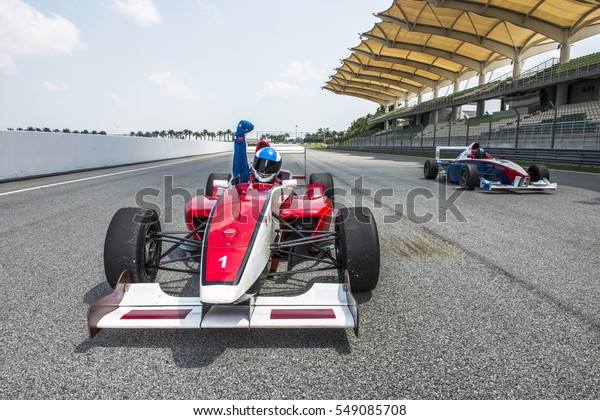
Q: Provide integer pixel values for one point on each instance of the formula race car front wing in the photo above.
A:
(145, 305)
(518, 185)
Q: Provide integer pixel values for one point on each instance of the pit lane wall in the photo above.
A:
(25, 154)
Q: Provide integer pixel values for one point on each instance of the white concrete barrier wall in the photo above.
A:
(26, 153)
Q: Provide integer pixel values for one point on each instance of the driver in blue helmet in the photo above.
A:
(266, 165)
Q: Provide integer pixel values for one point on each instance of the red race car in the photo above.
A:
(242, 235)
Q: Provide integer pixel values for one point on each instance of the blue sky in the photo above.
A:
(186, 64)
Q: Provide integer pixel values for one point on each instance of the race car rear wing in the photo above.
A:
(284, 149)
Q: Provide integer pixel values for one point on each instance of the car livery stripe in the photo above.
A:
(205, 245)
(157, 314)
(302, 314)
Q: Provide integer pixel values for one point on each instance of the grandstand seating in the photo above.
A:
(577, 126)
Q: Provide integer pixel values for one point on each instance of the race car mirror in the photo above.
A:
(291, 183)
(221, 183)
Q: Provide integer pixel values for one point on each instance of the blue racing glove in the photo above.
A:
(243, 128)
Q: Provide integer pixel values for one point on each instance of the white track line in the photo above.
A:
(39, 187)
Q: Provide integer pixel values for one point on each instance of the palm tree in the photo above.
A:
(229, 133)
(220, 134)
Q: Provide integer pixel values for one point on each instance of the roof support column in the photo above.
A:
(517, 67)
(562, 90)
(436, 93)
(481, 104)
(455, 109)
(565, 48)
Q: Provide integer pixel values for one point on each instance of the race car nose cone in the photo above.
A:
(230, 233)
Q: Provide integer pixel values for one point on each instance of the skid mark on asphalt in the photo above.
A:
(418, 246)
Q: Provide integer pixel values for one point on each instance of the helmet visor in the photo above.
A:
(266, 166)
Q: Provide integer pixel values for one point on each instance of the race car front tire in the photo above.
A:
(357, 248)
(469, 177)
(326, 179)
(430, 169)
(538, 172)
(131, 245)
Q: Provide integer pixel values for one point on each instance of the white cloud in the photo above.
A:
(117, 100)
(25, 30)
(280, 89)
(7, 64)
(303, 72)
(143, 12)
(169, 86)
(212, 11)
(51, 87)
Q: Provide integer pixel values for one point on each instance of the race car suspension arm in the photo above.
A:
(308, 257)
(178, 241)
(305, 239)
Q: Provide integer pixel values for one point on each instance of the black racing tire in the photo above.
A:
(357, 248)
(469, 177)
(215, 177)
(430, 169)
(326, 179)
(129, 245)
(538, 172)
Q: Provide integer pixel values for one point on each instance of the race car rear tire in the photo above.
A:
(215, 177)
(538, 172)
(326, 179)
(357, 248)
(130, 245)
(469, 177)
(430, 169)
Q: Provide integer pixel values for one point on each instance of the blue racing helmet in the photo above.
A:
(480, 153)
(266, 165)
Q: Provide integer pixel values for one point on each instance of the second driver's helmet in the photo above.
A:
(266, 165)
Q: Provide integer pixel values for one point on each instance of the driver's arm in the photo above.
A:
(241, 169)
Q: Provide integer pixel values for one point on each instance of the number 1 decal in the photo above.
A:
(223, 261)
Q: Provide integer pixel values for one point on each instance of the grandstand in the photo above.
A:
(421, 46)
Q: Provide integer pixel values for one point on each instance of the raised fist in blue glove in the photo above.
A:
(243, 128)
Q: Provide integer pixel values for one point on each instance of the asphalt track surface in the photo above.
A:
(481, 296)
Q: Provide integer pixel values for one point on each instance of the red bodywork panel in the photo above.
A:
(312, 205)
(510, 172)
(235, 217)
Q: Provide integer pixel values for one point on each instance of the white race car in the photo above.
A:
(475, 168)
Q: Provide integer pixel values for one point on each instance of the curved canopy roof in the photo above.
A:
(421, 45)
